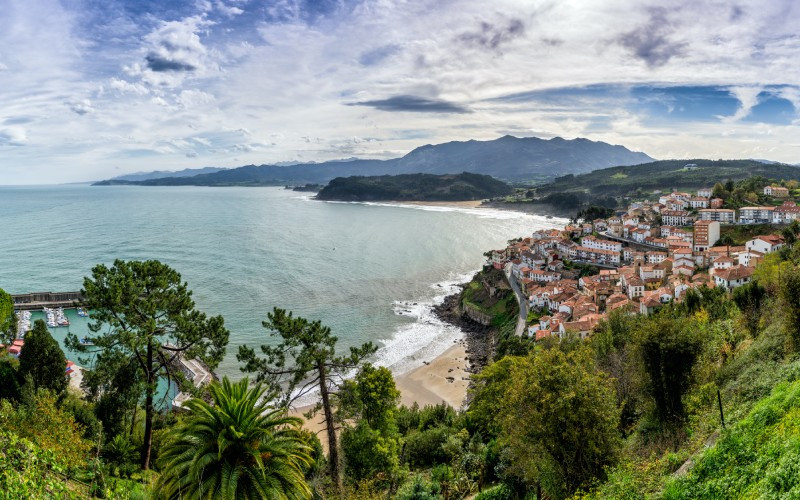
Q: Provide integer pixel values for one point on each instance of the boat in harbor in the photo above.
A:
(61, 318)
(82, 312)
(50, 317)
(23, 323)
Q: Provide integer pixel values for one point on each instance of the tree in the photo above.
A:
(39, 418)
(371, 396)
(9, 379)
(488, 395)
(310, 350)
(725, 241)
(729, 185)
(237, 447)
(789, 236)
(719, 191)
(42, 359)
(115, 384)
(8, 321)
(750, 298)
(370, 400)
(560, 421)
(148, 314)
(669, 349)
(790, 297)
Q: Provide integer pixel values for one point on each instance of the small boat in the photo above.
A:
(61, 318)
(50, 316)
(82, 312)
(86, 341)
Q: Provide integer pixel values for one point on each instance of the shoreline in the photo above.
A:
(445, 379)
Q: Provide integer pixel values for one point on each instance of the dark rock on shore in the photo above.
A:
(480, 339)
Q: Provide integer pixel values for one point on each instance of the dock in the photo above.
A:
(37, 300)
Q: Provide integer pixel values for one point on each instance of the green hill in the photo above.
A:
(666, 175)
(414, 187)
(759, 457)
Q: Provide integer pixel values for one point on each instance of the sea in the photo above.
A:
(370, 271)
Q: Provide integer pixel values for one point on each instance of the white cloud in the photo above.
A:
(748, 98)
(13, 136)
(164, 85)
(125, 86)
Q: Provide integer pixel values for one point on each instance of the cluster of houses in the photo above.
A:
(643, 266)
(682, 209)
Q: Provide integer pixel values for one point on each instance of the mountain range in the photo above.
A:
(160, 174)
(509, 158)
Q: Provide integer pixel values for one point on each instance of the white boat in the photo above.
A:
(82, 312)
(50, 317)
(61, 318)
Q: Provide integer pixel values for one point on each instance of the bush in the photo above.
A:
(424, 448)
(368, 453)
(499, 492)
(419, 489)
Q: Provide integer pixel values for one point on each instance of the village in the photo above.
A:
(648, 255)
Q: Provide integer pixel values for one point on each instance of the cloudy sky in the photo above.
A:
(90, 89)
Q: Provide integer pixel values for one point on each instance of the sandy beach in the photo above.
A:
(457, 204)
(443, 379)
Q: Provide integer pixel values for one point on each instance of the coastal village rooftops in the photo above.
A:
(651, 301)
(772, 239)
(769, 209)
(735, 273)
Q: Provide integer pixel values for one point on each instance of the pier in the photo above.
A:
(39, 300)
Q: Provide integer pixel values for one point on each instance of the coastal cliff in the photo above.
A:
(485, 310)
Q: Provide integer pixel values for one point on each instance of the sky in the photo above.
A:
(90, 89)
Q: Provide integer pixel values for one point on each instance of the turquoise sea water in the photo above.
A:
(358, 267)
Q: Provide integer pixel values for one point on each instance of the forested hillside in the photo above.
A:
(414, 187)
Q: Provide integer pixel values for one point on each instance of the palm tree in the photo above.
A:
(237, 447)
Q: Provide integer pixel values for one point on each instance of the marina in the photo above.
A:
(51, 300)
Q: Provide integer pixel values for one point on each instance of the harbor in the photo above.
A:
(37, 301)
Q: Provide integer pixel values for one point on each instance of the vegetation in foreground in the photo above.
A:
(636, 411)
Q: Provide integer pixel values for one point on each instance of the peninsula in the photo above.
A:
(414, 187)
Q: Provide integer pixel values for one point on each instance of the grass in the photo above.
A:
(757, 458)
(743, 233)
(619, 175)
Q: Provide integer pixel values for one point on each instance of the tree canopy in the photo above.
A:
(42, 359)
(143, 310)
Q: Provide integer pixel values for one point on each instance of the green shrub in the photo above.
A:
(499, 492)
(424, 448)
(419, 489)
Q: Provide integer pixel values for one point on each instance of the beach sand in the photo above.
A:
(444, 379)
(457, 204)
(426, 385)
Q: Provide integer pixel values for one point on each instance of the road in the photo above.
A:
(523, 302)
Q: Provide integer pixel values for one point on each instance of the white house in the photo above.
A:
(698, 202)
(765, 244)
(733, 277)
(675, 217)
(601, 244)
